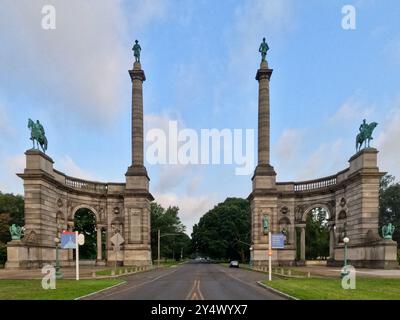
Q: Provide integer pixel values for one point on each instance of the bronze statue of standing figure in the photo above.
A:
(136, 51)
(263, 49)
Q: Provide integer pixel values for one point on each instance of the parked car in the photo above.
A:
(234, 264)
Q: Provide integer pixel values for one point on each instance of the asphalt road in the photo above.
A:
(190, 281)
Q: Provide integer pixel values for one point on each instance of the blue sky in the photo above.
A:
(200, 59)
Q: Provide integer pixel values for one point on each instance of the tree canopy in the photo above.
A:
(389, 204)
(317, 235)
(174, 240)
(11, 211)
(224, 231)
(85, 222)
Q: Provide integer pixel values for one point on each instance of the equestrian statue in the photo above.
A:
(38, 135)
(365, 135)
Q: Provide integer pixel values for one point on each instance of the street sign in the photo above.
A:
(278, 241)
(68, 240)
(81, 239)
(117, 240)
(72, 240)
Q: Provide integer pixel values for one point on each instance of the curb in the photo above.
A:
(276, 291)
(90, 294)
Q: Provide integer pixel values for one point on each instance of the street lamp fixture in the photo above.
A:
(58, 272)
(344, 271)
(250, 260)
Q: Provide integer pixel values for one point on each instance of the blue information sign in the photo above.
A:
(277, 241)
(68, 240)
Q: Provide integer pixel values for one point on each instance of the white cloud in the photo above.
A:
(70, 168)
(353, 109)
(388, 143)
(326, 160)
(254, 20)
(80, 67)
(289, 145)
(5, 126)
(392, 51)
(10, 166)
(172, 176)
(191, 208)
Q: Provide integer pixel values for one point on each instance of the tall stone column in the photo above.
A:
(303, 243)
(99, 246)
(136, 233)
(332, 242)
(137, 77)
(263, 199)
(263, 76)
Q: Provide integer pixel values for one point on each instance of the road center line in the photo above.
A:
(140, 284)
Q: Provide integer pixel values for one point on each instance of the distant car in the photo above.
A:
(234, 264)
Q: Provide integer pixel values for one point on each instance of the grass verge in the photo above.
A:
(65, 289)
(331, 289)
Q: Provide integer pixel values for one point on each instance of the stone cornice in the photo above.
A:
(264, 74)
(41, 175)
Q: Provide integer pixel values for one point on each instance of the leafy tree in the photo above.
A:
(14, 206)
(224, 231)
(317, 235)
(11, 211)
(389, 204)
(168, 222)
(85, 222)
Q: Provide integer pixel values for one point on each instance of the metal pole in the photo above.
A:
(269, 257)
(58, 272)
(77, 255)
(158, 253)
(345, 255)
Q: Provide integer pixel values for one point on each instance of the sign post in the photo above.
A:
(270, 256)
(72, 240)
(276, 241)
(76, 255)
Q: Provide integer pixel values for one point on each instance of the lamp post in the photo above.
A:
(159, 236)
(58, 272)
(250, 260)
(345, 272)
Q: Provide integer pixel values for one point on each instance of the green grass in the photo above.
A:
(65, 289)
(331, 289)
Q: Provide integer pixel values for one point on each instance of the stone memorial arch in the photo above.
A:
(350, 197)
(52, 198)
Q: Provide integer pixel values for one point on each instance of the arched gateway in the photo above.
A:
(350, 197)
(52, 198)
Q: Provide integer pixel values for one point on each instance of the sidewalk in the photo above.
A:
(68, 273)
(335, 271)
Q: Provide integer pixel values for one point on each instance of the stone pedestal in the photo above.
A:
(25, 256)
(379, 255)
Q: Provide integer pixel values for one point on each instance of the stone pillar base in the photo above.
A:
(23, 256)
(281, 257)
(137, 257)
(379, 255)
